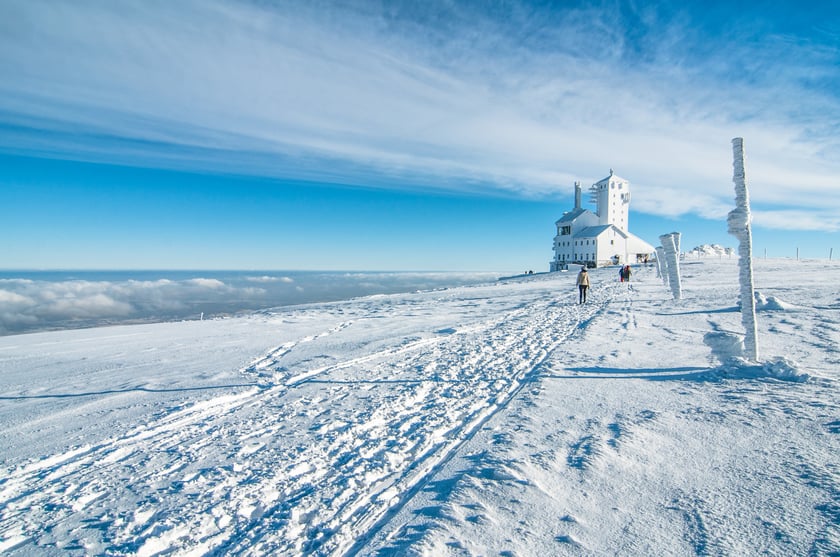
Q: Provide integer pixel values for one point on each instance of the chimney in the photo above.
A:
(577, 195)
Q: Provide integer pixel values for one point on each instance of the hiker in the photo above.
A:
(627, 273)
(583, 284)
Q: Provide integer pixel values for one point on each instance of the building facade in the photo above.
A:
(599, 238)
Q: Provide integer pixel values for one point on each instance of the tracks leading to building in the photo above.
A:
(309, 460)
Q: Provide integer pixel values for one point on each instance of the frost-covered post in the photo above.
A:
(661, 265)
(671, 246)
(739, 226)
(674, 273)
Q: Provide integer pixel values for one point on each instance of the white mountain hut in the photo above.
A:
(599, 238)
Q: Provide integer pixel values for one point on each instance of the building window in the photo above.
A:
(565, 230)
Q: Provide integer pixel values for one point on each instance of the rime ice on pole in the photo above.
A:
(739, 226)
(661, 264)
(671, 247)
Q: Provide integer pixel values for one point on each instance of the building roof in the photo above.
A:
(637, 245)
(611, 176)
(595, 231)
(572, 215)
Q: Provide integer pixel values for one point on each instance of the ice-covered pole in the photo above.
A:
(671, 246)
(738, 222)
(674, 272)
(660, 264)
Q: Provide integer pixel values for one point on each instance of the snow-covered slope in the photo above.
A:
(492, 419)
(711, 250)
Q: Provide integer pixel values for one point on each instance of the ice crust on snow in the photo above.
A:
(771, 303)
(499, 418)
(729, 349)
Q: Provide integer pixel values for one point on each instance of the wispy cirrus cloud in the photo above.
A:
(267, 278)
(518, 99)
(798, 219)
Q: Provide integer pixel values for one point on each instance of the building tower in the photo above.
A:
(611, 196)
(598, 238)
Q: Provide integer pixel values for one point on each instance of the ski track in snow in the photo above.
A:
(311, 459)
(516, 422)
(612, 457)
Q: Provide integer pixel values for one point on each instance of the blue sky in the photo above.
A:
(404, 135)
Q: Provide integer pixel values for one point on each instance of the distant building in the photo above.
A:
(602, 237)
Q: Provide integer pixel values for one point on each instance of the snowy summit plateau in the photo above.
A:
(499, 418)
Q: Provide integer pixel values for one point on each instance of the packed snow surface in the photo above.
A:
(493, 419)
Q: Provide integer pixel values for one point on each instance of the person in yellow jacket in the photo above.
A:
(583, 284)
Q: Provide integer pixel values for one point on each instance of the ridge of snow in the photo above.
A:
(710, 250)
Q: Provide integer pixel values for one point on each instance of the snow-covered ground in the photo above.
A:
(711, 250)
(497, 419)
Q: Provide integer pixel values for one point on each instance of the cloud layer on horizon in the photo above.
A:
(514, 100)
(28, 304)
